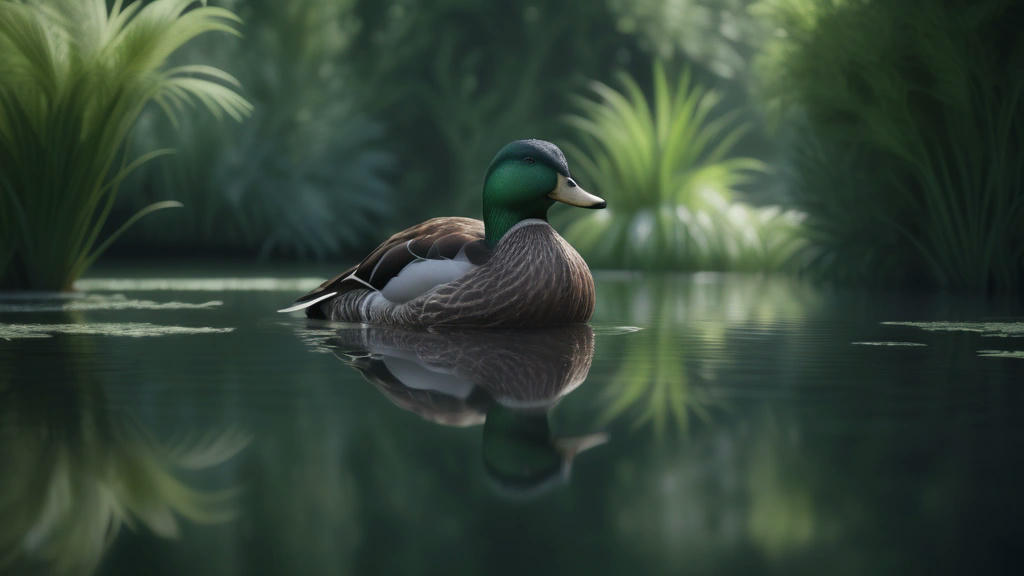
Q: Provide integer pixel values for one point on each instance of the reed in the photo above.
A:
(909, 155)
(74, 77)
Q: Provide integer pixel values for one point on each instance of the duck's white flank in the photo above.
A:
(420, 276)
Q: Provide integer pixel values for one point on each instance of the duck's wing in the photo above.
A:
(436, 242)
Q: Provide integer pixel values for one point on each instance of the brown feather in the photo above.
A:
(421, 239)
(533, 278)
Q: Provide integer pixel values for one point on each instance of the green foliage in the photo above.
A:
(458, 79)
(665, 169)
(74, 77)
(720, 35)
(304, 177)
(909, 137)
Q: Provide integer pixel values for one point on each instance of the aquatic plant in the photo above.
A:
(909, 141)
(305, 176)
(665, 169)
(74, 77)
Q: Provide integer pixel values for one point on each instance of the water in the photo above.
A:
(705, 424)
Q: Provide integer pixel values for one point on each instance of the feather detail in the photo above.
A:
(307, 303)
(437, 238)
(533, 278)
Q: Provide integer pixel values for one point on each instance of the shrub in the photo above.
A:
(909, 137)
(665, 170)
(74, 77)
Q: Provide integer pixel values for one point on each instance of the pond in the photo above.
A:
(164, 424)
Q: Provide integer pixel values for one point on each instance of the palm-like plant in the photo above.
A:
(74, 77)
(666, 171)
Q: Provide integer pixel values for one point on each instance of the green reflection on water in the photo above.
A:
(76, 471)
(655, 384)
(815, 455)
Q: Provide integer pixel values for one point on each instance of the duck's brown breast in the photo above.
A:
(534, 278)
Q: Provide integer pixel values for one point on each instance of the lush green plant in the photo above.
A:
(909, 136)
(304, 176)
(665, 169)
(457, 79)
(720, 35)
(74, 76)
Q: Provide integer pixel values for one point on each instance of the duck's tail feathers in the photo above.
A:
(308, 303)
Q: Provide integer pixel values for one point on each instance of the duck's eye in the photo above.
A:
(529, 160)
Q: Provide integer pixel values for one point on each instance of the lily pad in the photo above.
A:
(1019, 354)
(123, 329)
(89, 303)
(996, 329)
(199, 284)
(895, 344)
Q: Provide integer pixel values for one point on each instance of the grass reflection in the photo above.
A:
(652, 380)
(76, 470)
(664, 376)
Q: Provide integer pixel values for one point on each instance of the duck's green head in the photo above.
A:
(525, 178)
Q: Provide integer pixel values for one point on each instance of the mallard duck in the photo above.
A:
(511, 269)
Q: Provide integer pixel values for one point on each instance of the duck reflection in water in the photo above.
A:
(507, 379)
(75, 469)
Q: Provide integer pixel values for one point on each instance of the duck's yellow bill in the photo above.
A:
(570, 193)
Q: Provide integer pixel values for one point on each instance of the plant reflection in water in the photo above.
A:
(508, 380)
(667, 373)
(76, 469)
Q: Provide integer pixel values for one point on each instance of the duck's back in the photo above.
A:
(406, 265)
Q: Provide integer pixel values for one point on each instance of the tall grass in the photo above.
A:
(909, 136)
(666, 170)
(74, 77)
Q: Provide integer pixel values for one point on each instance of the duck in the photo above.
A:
(511, 269)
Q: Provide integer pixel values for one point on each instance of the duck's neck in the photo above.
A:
(498, 221)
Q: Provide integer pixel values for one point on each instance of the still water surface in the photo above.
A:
(702, 424)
